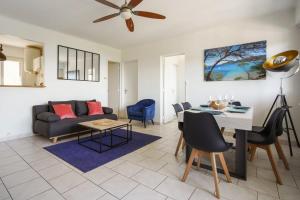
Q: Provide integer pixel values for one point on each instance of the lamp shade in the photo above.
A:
(282, 62)
(2, 56)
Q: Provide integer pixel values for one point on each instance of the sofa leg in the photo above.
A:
(152, 122)
(54, 140)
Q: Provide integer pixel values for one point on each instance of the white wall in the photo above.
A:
(16, 103)
(279, 30)
(298, 13)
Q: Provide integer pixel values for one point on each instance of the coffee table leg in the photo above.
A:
(111, 138)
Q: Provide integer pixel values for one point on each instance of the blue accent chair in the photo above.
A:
(143, 111)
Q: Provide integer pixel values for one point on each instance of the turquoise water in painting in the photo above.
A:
(233, 71)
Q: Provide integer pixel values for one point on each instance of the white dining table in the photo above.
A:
(241, 123)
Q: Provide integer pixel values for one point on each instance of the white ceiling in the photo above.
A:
(75, 17)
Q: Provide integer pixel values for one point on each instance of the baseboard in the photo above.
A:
(4, 139)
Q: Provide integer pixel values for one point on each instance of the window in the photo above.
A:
(11, 72)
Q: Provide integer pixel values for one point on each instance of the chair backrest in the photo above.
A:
(146, 102)
(177, 107)
(186, 105)
(271, 129)
(281, 115)
(201, 131)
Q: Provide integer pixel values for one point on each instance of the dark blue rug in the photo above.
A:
(86, 159)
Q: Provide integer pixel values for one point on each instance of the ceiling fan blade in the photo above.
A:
(130, 25)
(108, 4)
(134, 3)
(149, 15)
(106, 17)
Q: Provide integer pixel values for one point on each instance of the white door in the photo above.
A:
(114, 86)
(130, 83)
(170, 91)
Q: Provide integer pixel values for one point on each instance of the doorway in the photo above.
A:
(114, 84)
(130, 85)
(174, 87)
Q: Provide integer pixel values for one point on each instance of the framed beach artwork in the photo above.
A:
(236, 62)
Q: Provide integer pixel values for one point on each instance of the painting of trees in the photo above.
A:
(237, 62)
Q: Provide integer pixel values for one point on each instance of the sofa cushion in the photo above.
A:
(81, 107)
(51, 103)
(95, 108)
(107, 110)
(48, 117)
(64, 111)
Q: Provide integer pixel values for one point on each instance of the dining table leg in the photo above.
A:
(241, 154)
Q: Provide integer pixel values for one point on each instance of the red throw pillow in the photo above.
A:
(64, 111)
(95, 108)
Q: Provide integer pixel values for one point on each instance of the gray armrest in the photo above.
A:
(48, 117)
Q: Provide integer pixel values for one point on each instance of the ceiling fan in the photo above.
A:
(126, 13)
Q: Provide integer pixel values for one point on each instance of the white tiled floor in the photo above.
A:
(27, 171)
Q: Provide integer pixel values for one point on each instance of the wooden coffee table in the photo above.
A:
(101, 128)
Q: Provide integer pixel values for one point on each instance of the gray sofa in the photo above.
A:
(47, 123)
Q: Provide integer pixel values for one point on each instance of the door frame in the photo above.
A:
(162, 92)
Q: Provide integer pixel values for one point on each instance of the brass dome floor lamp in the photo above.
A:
(286, 64)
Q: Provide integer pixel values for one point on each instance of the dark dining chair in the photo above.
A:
(267, 137)
(186, 105)
(201, 132)
(177, 108)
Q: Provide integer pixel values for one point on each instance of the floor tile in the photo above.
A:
(154, 154)
(44, 163)
(12, 168)
(235, 192)
(119, 185)
(175, 189)
(36, 156)
(107, 196)
(149, 178)
(3, 147)
(66, 182)
(3, 192)
(114, 163)
(7, 153)
(288, 193)
(100, 175)
(142, 192)
(54, 171)
(86, 191)
(260, 185)
(127, 169)
(10, 160)
(264, 197)
(29, 189)
(286, 177)
(152, 164)
(200, 194)
(48, 195)
(19, 177)
(173, 171)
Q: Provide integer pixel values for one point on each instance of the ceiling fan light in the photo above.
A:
(126, 13)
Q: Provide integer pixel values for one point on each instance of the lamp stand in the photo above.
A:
(283, 103)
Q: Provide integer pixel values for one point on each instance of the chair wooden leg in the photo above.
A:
(273, 164)
(222, 130)
(224, 166)
(199, 161)
(215, 174)
(183, 144)
(179, 143)
(252, 151)
(189, 165)
(281, 154)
